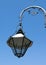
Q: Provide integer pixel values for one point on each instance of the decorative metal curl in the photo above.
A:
(34, 13)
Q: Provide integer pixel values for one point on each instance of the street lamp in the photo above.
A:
(19, 43)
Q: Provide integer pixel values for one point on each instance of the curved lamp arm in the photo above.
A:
(37, 7)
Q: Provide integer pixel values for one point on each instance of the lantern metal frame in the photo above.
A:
(19, 49)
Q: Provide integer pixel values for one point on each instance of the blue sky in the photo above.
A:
(33, 27)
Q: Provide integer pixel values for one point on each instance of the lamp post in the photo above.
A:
(19, 43)
(28, 9)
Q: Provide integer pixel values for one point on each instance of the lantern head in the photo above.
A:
(19, 43)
